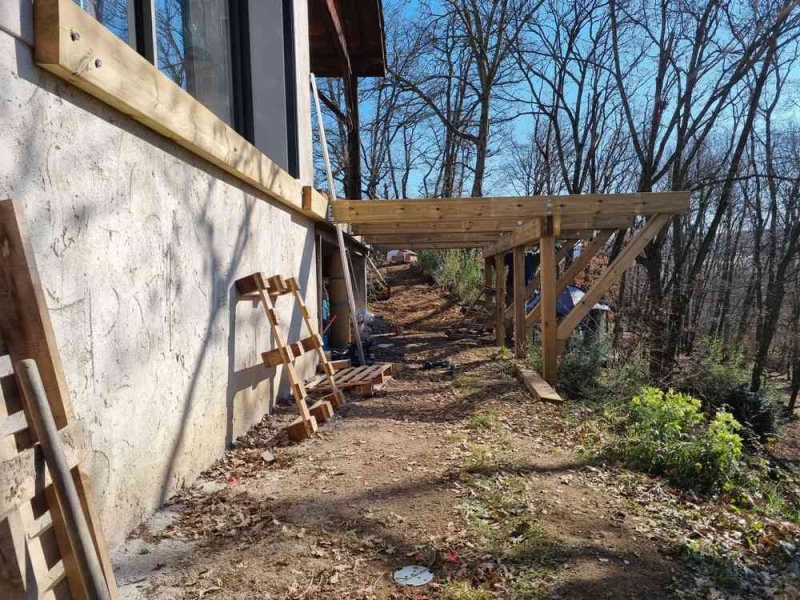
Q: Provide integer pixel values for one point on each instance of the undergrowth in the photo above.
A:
(457, 271)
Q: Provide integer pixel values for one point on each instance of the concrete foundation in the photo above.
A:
(138, 244)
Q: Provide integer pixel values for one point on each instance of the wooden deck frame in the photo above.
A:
(586, 255)
(566, 247)
(519, 222)
(612, 273)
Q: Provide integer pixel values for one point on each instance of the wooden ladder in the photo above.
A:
(267, 290)
(38, 548)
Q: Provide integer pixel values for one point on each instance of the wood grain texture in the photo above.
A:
(24, 320)
(547, 301)
(519, 302)
(523, 208)
(594, 247)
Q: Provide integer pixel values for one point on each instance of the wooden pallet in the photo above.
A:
(37, 556)
(365, 380)
(267, 290)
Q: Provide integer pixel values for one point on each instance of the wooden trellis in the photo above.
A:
(267, 290)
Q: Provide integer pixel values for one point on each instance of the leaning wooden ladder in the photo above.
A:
(39, 551)
(266, 290)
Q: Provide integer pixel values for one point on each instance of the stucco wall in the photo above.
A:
(138, 243)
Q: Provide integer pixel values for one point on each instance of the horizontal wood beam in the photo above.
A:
(429, 246)
(529, 233)
(571, 226)
(479, 239)
(466, 226)
(523, 208)
(72, 45)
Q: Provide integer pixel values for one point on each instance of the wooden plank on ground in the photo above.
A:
(538, 387)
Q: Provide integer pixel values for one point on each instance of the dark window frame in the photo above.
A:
(142, 36)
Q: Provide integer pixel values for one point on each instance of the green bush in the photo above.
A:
(719, 375)
(581, 366)
(667, 433)
(457, 271)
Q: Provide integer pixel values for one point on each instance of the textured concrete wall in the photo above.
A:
(138, 243)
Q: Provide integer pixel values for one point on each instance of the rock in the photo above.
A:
(268, 457)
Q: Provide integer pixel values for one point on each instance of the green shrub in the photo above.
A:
(719, 375)
(667, 433)
(457, 271)
(581, 366)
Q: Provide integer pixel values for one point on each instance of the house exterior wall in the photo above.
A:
(138, 243)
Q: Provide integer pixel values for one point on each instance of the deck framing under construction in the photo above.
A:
(501, 225)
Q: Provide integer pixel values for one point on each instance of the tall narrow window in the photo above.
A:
(111, 13)
(193, 48)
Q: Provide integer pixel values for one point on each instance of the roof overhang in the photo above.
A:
(342, 30)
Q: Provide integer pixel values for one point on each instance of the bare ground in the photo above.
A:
(459, 471)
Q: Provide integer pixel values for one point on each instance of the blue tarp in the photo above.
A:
(566, 301)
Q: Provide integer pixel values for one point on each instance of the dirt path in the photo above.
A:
(458, 471)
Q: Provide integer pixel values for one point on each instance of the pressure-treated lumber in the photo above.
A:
(24, 320)
(526, 208)
(305, 425)
(625, 259)
(428, 246)
(74, 46)
(26, 332)
(569, 224)
(500, 300)
(594, 247)
(547, 301)
(538, 387)
(478, 239)
(314, 343)
(18, 474)
(519, 301)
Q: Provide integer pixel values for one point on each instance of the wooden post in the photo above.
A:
(547, 250)
(500, 299)
(488, 265)
(519, 301)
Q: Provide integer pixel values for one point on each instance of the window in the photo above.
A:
(193, 48)
(111, 13)
(207, 47)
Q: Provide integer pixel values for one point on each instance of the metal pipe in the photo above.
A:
(44, 426)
